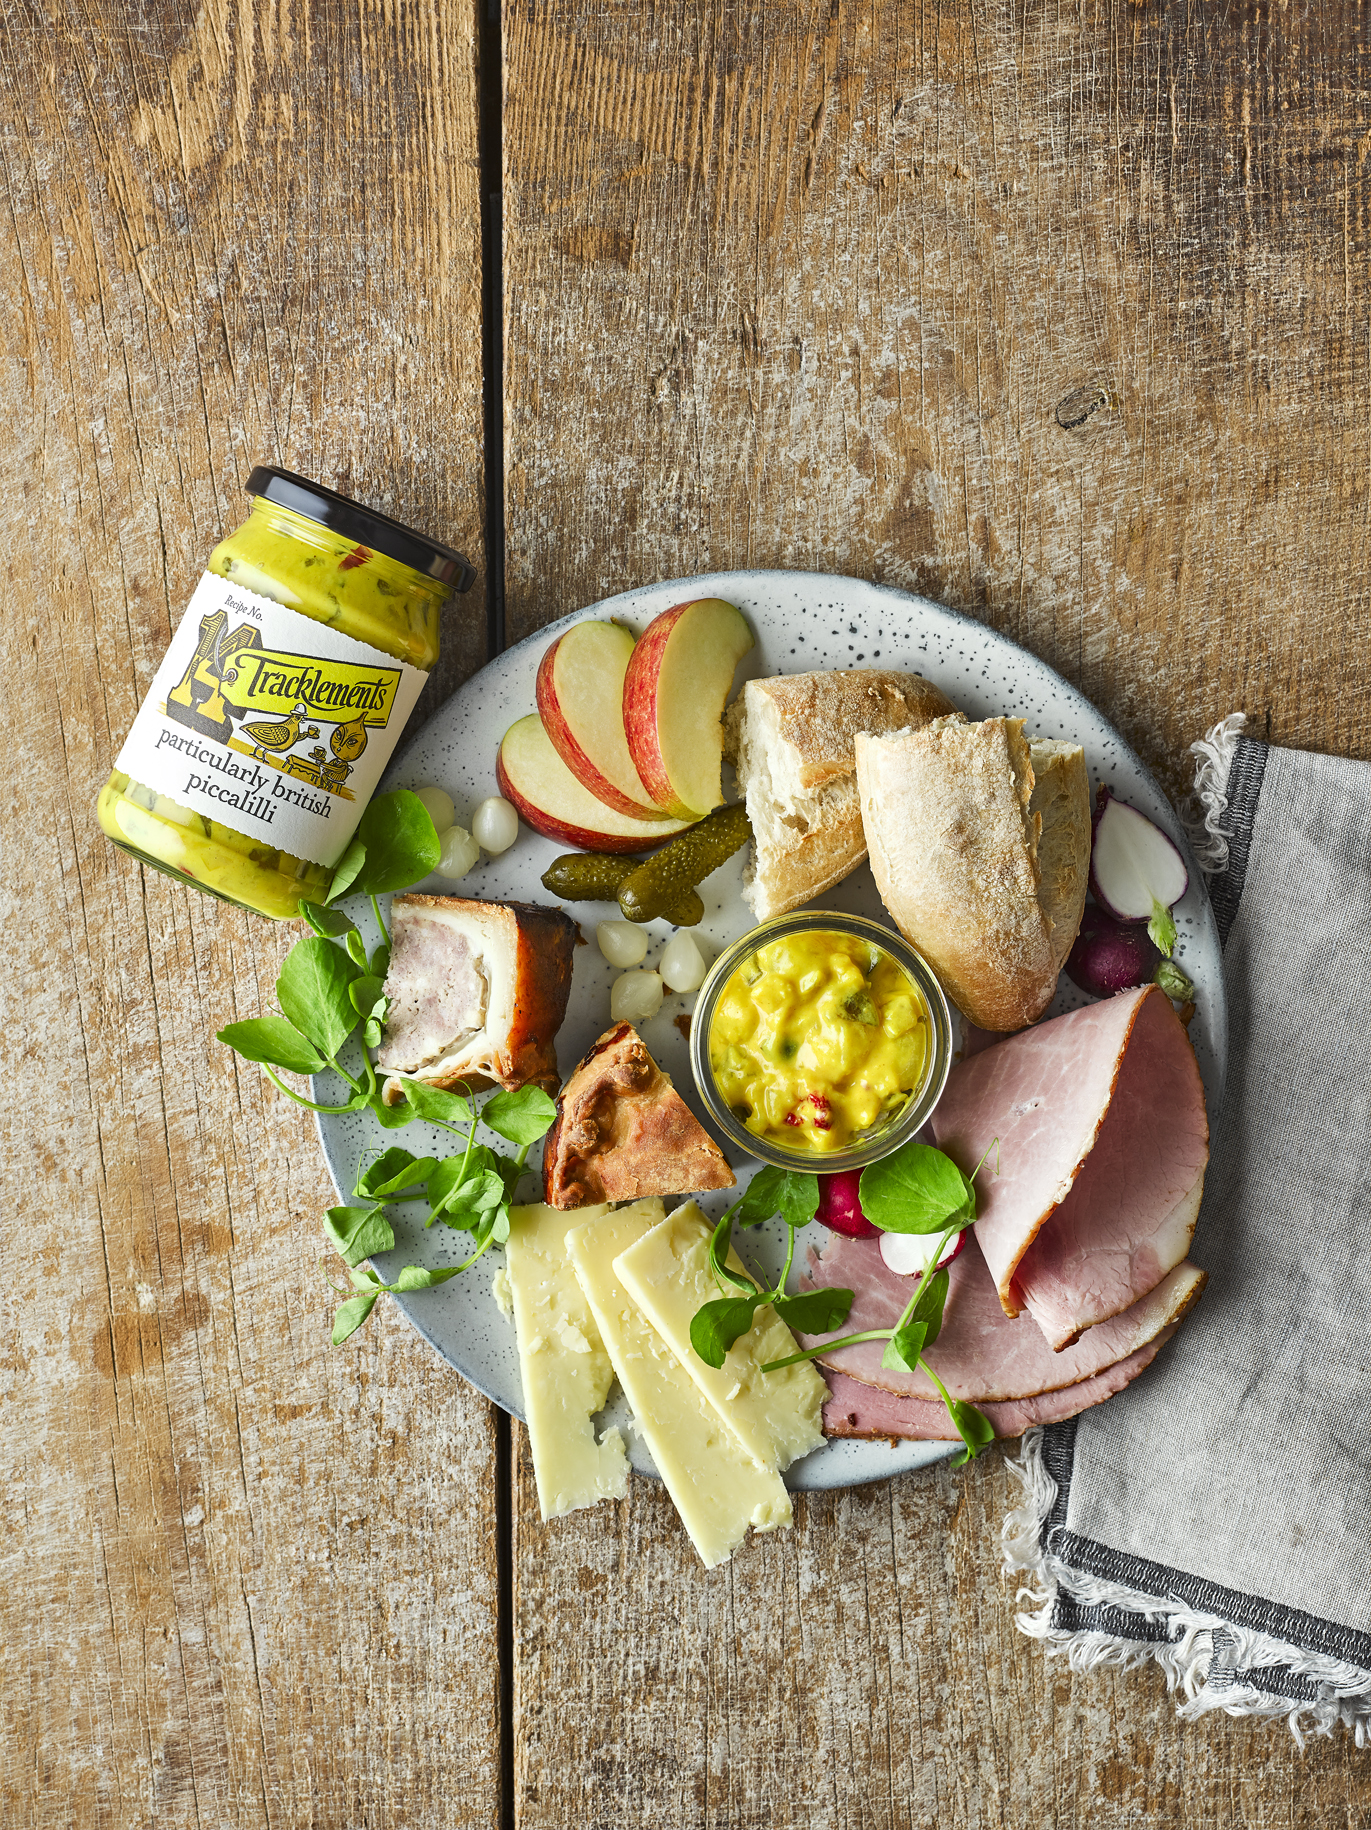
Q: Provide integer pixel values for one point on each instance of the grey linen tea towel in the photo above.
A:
(1213, 1517)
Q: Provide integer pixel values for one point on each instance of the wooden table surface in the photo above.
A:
(785, 284)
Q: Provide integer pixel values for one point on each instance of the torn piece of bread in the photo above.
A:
(623, 1132)
(954, 828)
(1061, 800)
(791, 742)
(477, 990)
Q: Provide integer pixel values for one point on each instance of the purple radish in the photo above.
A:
(910, 1254)
(1110, 956)
(1136, 873)
(840, 1205)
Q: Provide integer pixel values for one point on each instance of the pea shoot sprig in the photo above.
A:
(331, 994)
(715, 1327)
(327, 993)
(471, 1190)
(915, 1190)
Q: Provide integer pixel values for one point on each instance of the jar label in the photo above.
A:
(269, 722)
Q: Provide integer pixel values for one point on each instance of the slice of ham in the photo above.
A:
(981, 1353)
(623, 1132)
(861, 1410)
(1103, 1143)
(477, 990)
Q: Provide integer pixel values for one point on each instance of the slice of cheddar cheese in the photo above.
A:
(717, 1489)
(566, 1371)
(775, 1417)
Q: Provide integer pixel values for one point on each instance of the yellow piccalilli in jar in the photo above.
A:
(816, 1038)
(264, 734)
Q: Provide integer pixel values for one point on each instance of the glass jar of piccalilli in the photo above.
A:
(281, 697)
(820, 1041)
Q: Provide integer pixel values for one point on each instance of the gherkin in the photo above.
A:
(652, 887)
(595, 876)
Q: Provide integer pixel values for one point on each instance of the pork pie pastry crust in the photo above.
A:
(623, 1132)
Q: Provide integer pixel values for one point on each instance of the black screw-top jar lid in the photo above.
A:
(365, 525)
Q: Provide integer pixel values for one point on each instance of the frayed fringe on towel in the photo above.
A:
(1205, 1658)
(1203, 818)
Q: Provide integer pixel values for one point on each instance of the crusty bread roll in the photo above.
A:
(1061, 800)
(791, 741)
(953, 827)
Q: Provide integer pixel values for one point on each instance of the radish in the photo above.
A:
(1136, 873)
(1110, 956)
(910, 1254)
(840, 1205)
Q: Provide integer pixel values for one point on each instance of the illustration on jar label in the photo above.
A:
(237, 719)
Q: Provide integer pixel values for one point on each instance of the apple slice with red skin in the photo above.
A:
(675, 688)
(538, 784)
(581, 702)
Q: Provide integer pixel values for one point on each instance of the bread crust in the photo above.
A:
(953, 844)
(818, 715)
(792, 740)
(1061, 800)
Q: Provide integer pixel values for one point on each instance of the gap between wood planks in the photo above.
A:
(489, 141)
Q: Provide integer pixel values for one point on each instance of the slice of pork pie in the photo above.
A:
(477, 990)
(623, 1132)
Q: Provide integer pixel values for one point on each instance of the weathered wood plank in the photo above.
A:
(250, 1582)
(807, 285)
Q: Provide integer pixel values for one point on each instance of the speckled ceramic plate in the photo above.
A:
(802, 621)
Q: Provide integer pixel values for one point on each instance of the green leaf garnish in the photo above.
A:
(331, 994)
(356, 1232)
(926, 1309)
(1174, 982)
(391, 1118)
(522, 1116)
(348, 868)
(313, 992)
(435, 1104)
(760, 1199)
(365, 996)
(791, 1193)
(798, 1198)
(330, 922)
(349, 1316)
(715, 1327)
(976, 1429)
(399, 841)
(499, 1225)
(917, 1190)
(904, 1347)
(720, 1244)
(1162, 929)
(275, 1040)
(419, 1277)
(479, 1194)
(814, 1311)
(395, 1169)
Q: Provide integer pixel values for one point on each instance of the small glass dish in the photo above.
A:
(889, 1132)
